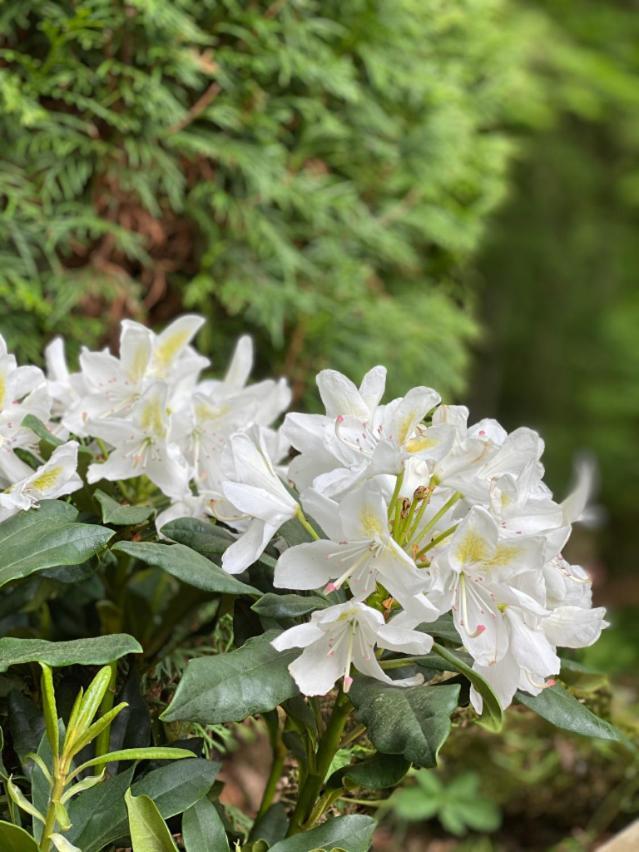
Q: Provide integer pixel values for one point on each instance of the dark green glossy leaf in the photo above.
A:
(378, 772)
(412, 721)
(562, 709)
(271, 826)
(288, 606)
(122, 516)
(205, 537)
(94, 651)
(230, 687)
(352, 833)
(16, 839)
(99, 815)
(492, 716)
(187, 565)
(47, 538)
(202, 828)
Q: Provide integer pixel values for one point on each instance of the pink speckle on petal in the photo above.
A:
(340, 418)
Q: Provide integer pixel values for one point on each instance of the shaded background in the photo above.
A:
(450, 188)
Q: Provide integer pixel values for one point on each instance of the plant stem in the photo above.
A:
(436, 517)
(60, 777)
(279, 756)
(301, 517)
(328, 745)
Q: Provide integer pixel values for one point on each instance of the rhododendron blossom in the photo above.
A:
(405, 513)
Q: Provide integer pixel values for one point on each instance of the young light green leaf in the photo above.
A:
(230, 687)
(96, 728)
(81, 786)
(350, 833)
(92, 699)
(21, 800)
(149, 832)
(492, 716)
(37, 759)
(62, 844)
(121, 516)
(202, 828)
(50, 709)
(16, 839)
(94, 651)
(412, 721)
(47, 537)
(150, 753)
(187, 565)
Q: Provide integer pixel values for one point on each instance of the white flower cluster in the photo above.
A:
(420, 514)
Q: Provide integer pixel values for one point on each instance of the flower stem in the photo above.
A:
(328, 745)
(310, 529)
(279, 756)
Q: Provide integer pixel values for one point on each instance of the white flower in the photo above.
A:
(55, 478)
(343, 636)
(113, 384)
(141, 445)
(360, 549)
(255, 490)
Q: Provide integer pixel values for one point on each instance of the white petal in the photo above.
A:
(396, 638)
(297, 637)
(340, 396)
(574, 627)
(241, 363)
(410, 411)
(136, 343)
(248, 548)
(474, 541)
(364, 513)
(317, 668)
(173, 341)
(258, 502)
(308, 566)
(325, 511)
(372, 387)
(575, 503)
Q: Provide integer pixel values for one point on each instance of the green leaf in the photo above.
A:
(38, 428)
(271, 826)
(205, 537)
(562, 710)
(202, 828)
(443, 628)
(230, 687)
(93, 651)
(149, 753)
(582, 677)
(288, 606)
(47, 537)
(99, 815)
(148, 830)
(50, 709)
(187, 565)
(412, 721)
(121, 516)
(492, 716)
(352, 833)
(16, 839)
(378, 772)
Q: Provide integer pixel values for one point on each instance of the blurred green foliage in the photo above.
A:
(320, 171)
(323, 173)
(561, 302)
